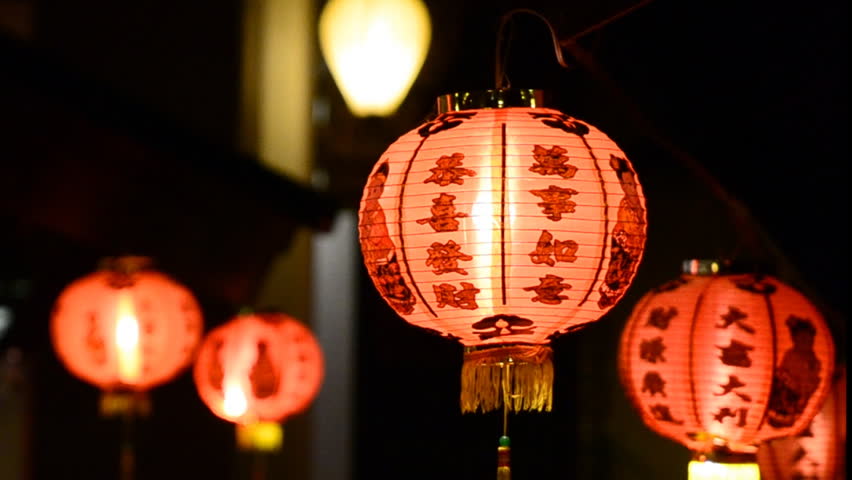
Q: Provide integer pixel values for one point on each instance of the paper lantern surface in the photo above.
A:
(726, 361)
(504, 225)
(126, 329)
(816, 453)
(259, 367)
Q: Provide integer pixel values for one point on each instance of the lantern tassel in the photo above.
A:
(529, 381)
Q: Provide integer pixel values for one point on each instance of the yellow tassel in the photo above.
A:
(530, 378)
(504, 473)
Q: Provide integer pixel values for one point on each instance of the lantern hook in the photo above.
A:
(500, 57)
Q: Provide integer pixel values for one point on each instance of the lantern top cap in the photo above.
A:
(704, 267)
(500, 98)
(126, 264)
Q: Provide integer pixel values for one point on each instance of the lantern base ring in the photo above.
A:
(521, 376)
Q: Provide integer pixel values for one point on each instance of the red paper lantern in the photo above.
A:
(720, 363)
(819, 451)
(258, 367)
(126, 327)
(502, 224)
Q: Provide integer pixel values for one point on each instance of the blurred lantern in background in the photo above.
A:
(723, 362)
(257, 370)
(126, 328)
(374, 50)
(819, 451)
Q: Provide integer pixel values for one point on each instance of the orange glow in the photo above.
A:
(726, 361)
(260, 367)
(524, 214)
(819, 452)
(125, 329)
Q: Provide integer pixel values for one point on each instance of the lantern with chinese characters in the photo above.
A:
(501, 224)
(816, 453)
(256, 370)
(125, 328)
(722, 362)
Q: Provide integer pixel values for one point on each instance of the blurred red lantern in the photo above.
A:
(502, 224)
(819, 451)
(126, 327)
(258, 367)
(720, 363)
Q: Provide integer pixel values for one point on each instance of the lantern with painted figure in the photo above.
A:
(722, 362)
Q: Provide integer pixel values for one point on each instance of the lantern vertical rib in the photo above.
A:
(401, 237)
(699, 422)
(771, 312)
(605, 219)
(503, 182)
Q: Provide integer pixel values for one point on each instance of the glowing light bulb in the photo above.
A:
(235, 404)
(127, 340)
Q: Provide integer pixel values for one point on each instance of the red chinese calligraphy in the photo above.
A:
(552, 161)
(446, 295)
(444, 214)
(556, 201)
(445, 257)
(546, 249)
(736, 354)
(653, 384)
(549, 289)
(449, 170)
(652, 350)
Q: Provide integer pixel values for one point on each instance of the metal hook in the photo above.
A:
(499, 63)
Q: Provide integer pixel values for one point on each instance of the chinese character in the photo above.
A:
(556, 201)
(502, 325)
(446, 295)
(737, 317)
(652, 350)
(736, 354)
(552, 162)
(563, 250)
(444, 258)
(726, 412)
(653, 383)
(449, 170)
(444, 214)
(663, 414)
(660, 317)
(733, 384)
(549, 289)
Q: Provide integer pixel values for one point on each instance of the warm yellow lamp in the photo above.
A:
(710, 470)
(374, 49)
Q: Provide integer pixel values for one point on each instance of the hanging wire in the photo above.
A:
(500, 57)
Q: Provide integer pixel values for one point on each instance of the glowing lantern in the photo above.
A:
(720, 363)
(819, 451)
(126, 327)
(501, 224)
(258, 369)
(374, 49)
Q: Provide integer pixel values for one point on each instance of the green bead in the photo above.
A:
(504, 441)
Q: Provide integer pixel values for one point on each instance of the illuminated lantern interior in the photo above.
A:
(259, 367)
(374, 50)
(126, 327)
(721, 363)
(816, 453)
(501, 224)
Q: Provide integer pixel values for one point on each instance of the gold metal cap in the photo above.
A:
(704, 267)
(503, 98)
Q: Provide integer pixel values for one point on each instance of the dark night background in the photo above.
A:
(119, 131)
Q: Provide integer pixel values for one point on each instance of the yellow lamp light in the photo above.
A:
(709, 470)
(374, 49)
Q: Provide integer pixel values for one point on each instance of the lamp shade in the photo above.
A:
(374, 50)
(126, 326)
(816, 453)
(502, 227)
(258, 367)
(722, 362)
